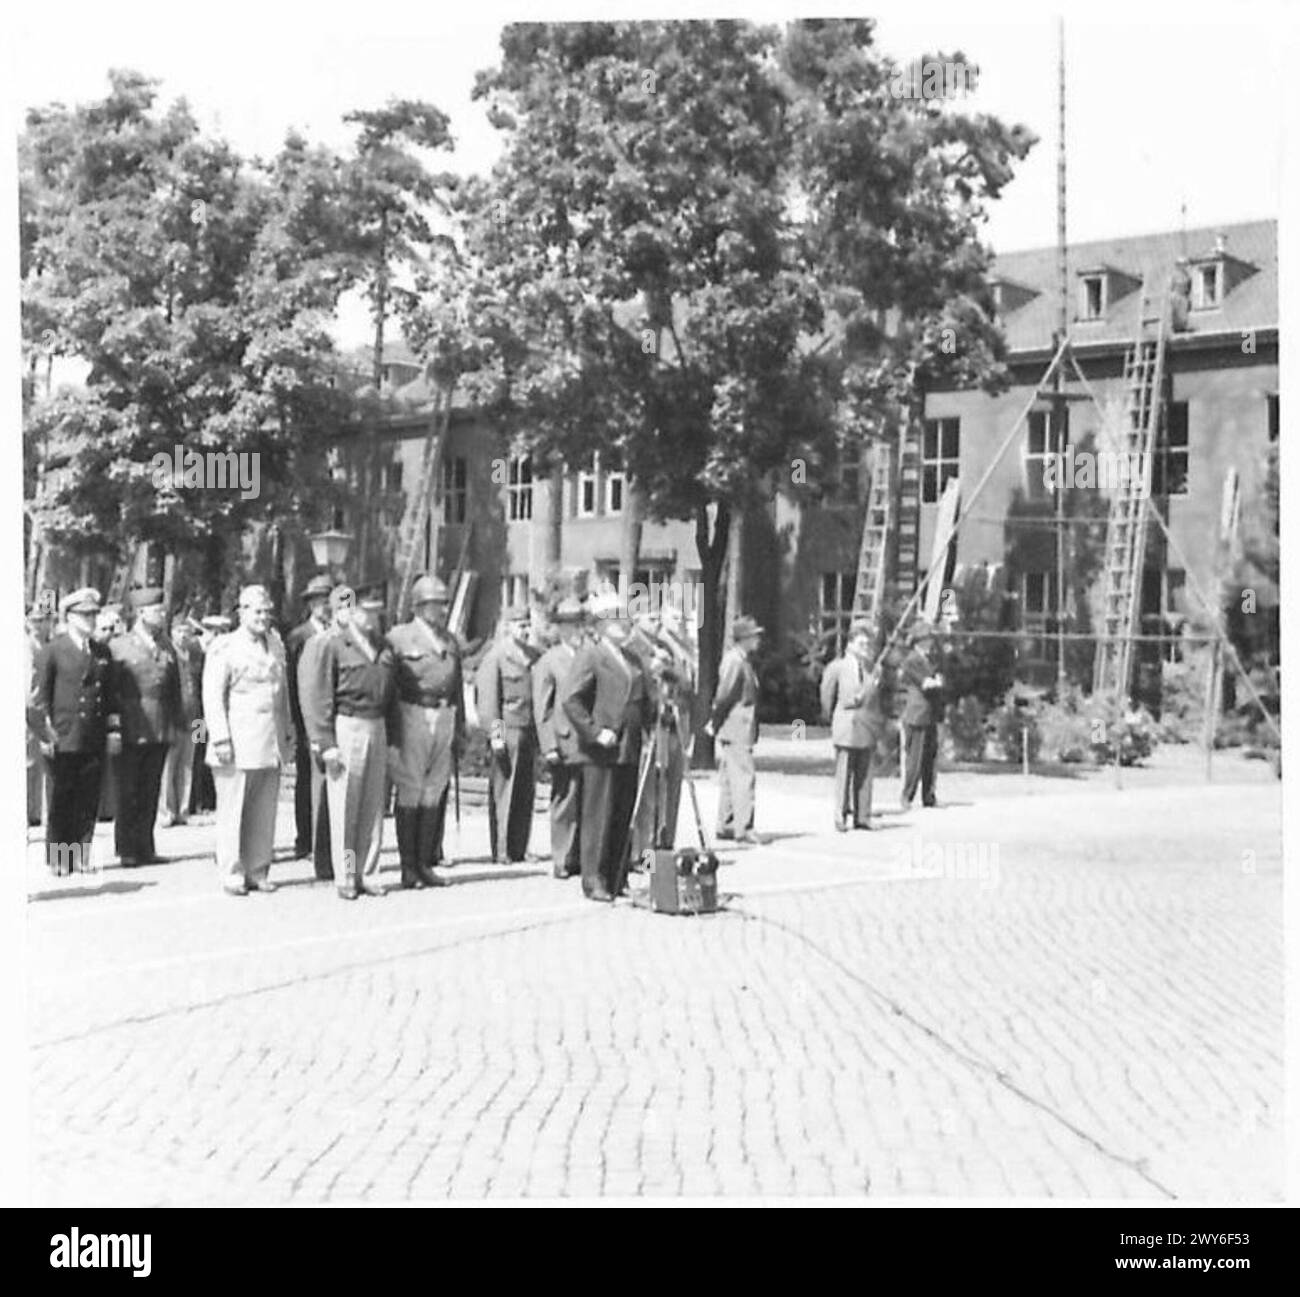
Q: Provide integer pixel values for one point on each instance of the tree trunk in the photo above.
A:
(712, 551)
(629, 553)
(555, 517)
(735, 566)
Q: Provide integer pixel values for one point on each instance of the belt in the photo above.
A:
(361, 713)
(434, 703)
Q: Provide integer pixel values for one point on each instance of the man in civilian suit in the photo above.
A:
(147, 689)
(920, 720)
(604, 695)
(72, 699)
(734, 723)
(308, 789)
(558, 741)
(505, 709)
(850, 695)
(250, 737)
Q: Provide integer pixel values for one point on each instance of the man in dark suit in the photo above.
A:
(317, 600)
(72, 698)
(147, 691)
(556, 739)
(505, 710)
(920, 720)
(604, 695)
(734, 723)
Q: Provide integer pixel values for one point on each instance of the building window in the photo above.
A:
(1038, 613)
(393, 476)
(1273, 424)
(514, 590)
(1092, 297)
(585, 495)
(615, 483)
(519, 488)
(848, 476)
(1207, 286)
(454, 493)
(1169, 470)
(836, 608)
(940, 446)
(1046, 440)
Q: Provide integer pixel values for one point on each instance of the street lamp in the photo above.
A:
(330, 549)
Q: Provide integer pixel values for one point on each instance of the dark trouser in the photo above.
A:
(419, 839)
(139, 781)
(566, 817)
(305, 778)
(203, 792)
(922, 749)
(608, 793)
(74, 804)
(853, 785)
(513, 784)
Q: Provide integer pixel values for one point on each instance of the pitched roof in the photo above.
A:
(1250, 304)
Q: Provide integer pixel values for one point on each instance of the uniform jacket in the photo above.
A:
(294, 643)
(73, 693)
(246, 699)
(338, 677)
(428, 668)
(605, 689)
(147, 688)
(735, 705)
(922, 706)
(852, 702)
(505, 687)
(555, 732)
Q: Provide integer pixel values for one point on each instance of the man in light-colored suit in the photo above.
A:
(250, 737)
(734, 723)
(557, 740)
(851, 698)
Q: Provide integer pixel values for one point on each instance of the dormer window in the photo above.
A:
(1008, 295)
(1092, 297)
(1207, 286)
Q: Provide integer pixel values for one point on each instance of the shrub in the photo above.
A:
(788, 685)
(966, 729)
(1066, 733)
(1014, 719)
(1119, 733)
(1182, 698)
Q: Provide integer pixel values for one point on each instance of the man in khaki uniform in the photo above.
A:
(246, 713)
(556, 739)
(431, 728)
(734, 723)
(850, 695)
(505, 710)
(347, 690)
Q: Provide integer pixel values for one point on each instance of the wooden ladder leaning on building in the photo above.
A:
(1126, 528)
(870, 588)
(416, 516)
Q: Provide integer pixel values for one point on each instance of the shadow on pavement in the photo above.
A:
(63, 893)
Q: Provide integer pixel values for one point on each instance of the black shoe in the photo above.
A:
(153, 859)
(860, 825)
(263, 885)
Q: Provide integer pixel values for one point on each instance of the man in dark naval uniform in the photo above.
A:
(307, 789)
(556, 739)
(72, 697)
(348, 692)
(431, 730)
(147, 692)
(505, 710)
(605, 697)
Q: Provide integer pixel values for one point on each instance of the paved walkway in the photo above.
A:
(1071, 993)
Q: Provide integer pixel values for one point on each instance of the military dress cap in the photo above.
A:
(429, 589)
(569, 610)
(84, 600)
(147, 596)
(372, 600)
(745, 628)
(318, 587)
(215, 621)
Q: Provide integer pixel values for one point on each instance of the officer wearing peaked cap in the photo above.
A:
(505, 709)
(147, 689)
(72, 698)
(309, 790)
(431, 729)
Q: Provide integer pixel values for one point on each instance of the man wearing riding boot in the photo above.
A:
(850, 696)
(505, 710)
(309, 796)
(920, 720)
(431, 730)
(556, 739)
(348, 690)
(604, 696)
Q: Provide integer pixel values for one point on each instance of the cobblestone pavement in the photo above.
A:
(1075, 993)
